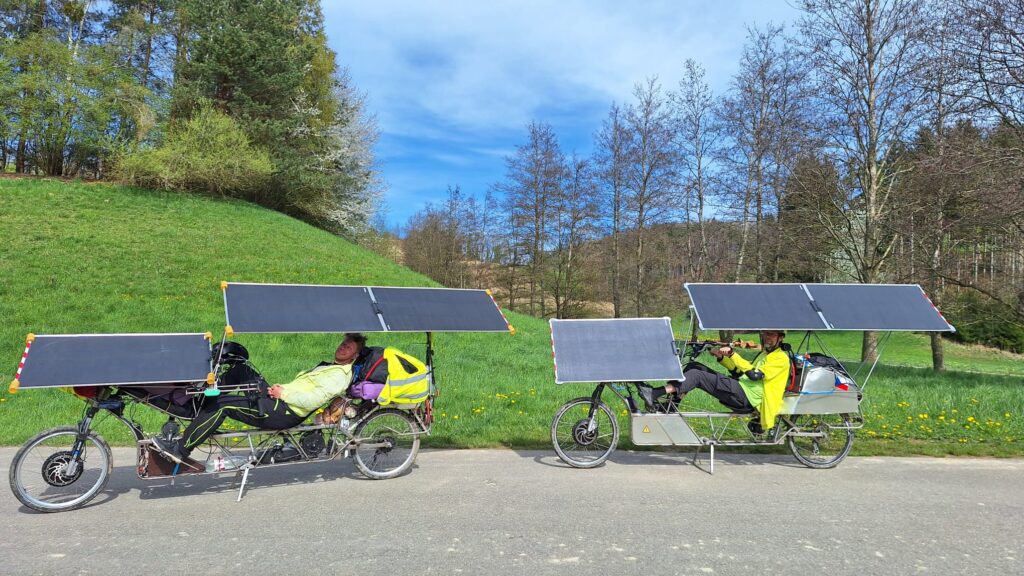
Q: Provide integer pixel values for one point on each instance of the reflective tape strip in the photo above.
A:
(24, 357)
(405, 381)
(410, 396)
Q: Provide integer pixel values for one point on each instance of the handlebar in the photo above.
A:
(697, 347)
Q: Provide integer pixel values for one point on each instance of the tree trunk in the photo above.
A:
(19, 156)
(639, 271)
(938, 353)
(616, 258)
(869, 347)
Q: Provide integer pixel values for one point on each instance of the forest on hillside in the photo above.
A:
(229, 97)
(875, 141)
(871, 141)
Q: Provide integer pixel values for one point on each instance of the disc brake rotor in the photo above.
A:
(581, 435)
(54, 466)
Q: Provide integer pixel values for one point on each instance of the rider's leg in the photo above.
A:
(210, 417)
(726, 390)
(272, 415)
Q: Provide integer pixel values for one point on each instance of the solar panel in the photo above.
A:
(115, 359)
(299, 308)
(753, 307)
(889, 307)
(614, 350)
(439, 310)
(312, 308)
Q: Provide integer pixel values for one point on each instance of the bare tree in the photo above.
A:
(576, 207)
(868, 57)
(698, 134)
(764, 118)
(534, 175)
(612, 160)
(651, 173)
(988, 39)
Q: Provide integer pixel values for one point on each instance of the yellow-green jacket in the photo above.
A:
(764, 394)
(311, 390)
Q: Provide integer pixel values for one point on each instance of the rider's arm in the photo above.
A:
(736, 363)
(315, 388)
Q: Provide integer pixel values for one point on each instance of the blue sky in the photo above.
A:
(453, 84)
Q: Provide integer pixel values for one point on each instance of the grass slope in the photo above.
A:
(80, 258)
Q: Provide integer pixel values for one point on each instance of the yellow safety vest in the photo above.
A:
(408, 380)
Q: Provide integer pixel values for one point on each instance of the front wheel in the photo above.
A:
(386, 444)
(821, 440)
(49, 476)
(583, 433)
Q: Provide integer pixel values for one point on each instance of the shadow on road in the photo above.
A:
(124, 480)
(674, 458)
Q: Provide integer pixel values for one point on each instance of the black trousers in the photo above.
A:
(725, 389)
(264, 412)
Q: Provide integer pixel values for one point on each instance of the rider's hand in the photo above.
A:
(275, 391)
(722, 352)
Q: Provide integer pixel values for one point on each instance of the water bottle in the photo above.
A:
(220, 463)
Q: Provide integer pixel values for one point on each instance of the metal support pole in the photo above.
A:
(245, 478)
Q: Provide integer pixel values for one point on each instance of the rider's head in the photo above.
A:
(349, 348)
(771, 339)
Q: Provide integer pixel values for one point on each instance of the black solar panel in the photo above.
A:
(305, 308)
(439, 310)
(615, 350)
(115, 359)
(878, 307)
(299, 308)
(885, 307)
(753, 307)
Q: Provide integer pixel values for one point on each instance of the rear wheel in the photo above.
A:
(821, 440)
(386, 444)
(48, 476)
(581, 441)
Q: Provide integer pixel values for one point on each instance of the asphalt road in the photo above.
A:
(507, 512)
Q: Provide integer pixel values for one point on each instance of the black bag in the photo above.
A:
(823, 361)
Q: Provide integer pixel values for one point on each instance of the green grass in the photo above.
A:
(82, 258)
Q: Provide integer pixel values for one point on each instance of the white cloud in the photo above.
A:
(454, 82)
(489, 65)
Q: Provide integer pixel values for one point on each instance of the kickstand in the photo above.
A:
(711, 448)
(245, 478)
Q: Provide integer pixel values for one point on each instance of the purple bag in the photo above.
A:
(365, 390)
